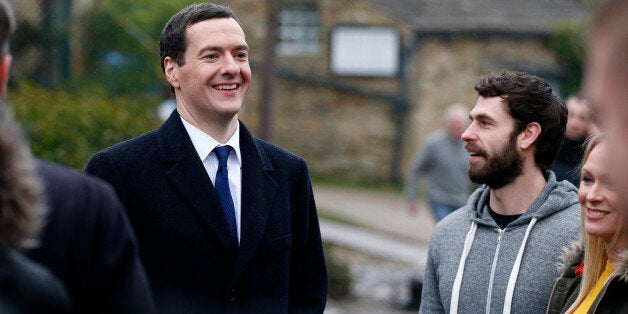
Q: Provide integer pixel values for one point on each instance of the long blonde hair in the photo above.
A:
(595, 253)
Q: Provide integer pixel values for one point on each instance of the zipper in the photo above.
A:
(492, 277)
(552, 295)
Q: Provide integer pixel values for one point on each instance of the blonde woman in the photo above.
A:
(595, 272)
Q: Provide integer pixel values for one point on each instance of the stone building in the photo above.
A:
(357, 84)
(365, 125)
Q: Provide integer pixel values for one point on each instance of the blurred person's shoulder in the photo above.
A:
(62, 181)
(28, 287)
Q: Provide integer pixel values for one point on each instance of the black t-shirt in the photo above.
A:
(502, 220)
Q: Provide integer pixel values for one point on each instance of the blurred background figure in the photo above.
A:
(25, 287)
(595, 272)
(605, 81)
(443, 162)
(87, 240)
(579, 127)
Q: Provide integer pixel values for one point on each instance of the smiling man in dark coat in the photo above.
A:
(226, 222)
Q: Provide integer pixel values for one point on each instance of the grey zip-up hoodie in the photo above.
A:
(474, 266)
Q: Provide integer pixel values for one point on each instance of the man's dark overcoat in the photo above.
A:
(192, 262)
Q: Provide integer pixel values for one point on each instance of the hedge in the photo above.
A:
(69, 126)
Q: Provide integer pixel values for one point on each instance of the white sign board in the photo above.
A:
(365, 51)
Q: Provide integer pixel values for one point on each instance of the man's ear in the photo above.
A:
(5, 69)
(529, 135)
(171, 69)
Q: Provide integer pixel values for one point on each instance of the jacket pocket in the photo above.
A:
(280, 243)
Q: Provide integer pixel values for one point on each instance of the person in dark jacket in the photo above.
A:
(28, 288)
(595, 272)
(226, 222)
(580, 125)
(25, 287)
(88, 243)
(87, 240)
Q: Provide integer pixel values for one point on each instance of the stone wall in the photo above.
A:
(348, 134)
(339, 132)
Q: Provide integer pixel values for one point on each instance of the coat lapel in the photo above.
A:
(189, 178)
(258, 193)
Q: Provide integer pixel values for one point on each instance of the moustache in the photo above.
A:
(476, 149)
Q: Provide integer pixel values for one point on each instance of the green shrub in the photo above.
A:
(69, 126)
(568, 44)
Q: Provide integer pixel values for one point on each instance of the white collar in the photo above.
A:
(204, 144)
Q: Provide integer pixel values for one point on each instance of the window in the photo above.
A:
(365, 51)
(298, 33)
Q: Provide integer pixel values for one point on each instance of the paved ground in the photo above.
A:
(379, 245)
(384, 246)
(381, 212)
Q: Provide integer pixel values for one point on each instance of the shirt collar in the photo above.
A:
(204, 144)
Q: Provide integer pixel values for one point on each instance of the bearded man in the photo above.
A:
(498, 252)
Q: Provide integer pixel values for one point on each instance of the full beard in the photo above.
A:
(500, 169)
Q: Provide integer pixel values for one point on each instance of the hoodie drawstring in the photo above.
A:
(455, 295)
(515, 269)
(458, 281)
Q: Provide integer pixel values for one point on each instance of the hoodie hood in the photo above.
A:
(554, 197)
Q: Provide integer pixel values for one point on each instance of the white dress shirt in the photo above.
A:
(204, 145)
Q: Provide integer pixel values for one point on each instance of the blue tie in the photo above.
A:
(222, 187)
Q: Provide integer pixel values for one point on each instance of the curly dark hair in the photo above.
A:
(530, 99)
